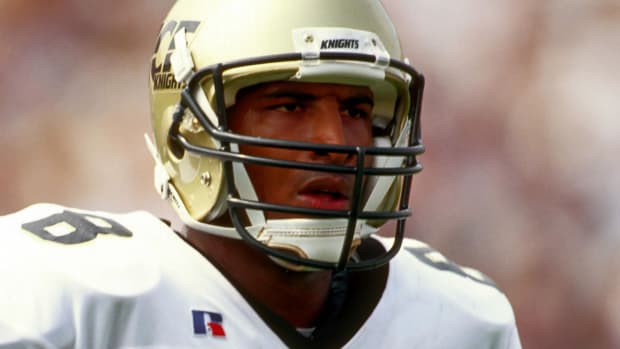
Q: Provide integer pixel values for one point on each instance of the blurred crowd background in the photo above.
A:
(521, 121)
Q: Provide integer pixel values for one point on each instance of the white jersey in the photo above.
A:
(94, 280)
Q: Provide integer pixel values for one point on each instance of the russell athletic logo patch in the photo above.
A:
(207, 323)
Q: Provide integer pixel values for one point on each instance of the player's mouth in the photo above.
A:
(326, 192)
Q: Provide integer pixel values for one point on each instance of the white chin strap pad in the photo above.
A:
(318, 239)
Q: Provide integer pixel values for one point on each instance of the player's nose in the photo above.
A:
(327, 128)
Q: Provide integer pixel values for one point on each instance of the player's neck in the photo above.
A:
(297, 297)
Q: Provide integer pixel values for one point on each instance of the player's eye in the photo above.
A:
(287, 107)
(356, 113)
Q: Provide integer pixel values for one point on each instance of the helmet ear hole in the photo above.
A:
(175, 148)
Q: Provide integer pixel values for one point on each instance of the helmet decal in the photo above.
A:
(161, 72)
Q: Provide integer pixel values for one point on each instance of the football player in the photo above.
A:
(286, 134)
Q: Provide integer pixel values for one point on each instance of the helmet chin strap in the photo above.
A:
(319, 239)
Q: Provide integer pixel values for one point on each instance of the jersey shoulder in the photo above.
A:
(47, 245)
(459, 306)
(421, 269)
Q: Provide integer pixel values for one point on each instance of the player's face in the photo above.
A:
(309, 112)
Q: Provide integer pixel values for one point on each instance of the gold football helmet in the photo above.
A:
(208, 50)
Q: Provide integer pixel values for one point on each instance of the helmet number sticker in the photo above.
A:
(70, 227)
